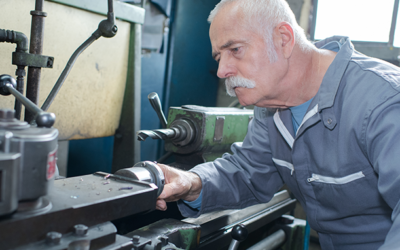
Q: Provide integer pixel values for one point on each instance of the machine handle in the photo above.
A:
(7, 87)
(156, 104)
(106, 28)
(239, 233)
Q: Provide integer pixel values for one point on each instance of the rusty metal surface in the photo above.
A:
(36, 47)
(100, 77)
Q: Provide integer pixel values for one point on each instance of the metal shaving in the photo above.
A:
(106, 182)
(107, 176)
(125, 188)
(74, 197)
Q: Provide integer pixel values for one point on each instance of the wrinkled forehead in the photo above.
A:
(228, 24)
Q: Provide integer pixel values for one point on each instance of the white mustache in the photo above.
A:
(237, 81)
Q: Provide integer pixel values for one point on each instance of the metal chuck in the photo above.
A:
(146, 171)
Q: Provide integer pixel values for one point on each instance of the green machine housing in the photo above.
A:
(210, 132)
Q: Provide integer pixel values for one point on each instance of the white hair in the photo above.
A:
(264, 16)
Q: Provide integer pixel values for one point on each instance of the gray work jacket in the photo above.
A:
(343, 165)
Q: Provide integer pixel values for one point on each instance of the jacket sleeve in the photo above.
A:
(382, 142)
(245, 178)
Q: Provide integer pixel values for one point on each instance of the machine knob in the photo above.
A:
(43, 119)
(239, 233)
(4, 80)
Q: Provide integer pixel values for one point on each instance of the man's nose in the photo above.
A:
(225, 68)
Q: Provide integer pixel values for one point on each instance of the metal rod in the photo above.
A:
(110, 6)
(394, 21)
(43, 119)
(39, 5)
(27, 103)
(36, 47)
(20, 88)
(271, 242)
(22, 47)
(234, 245)
(66, 71)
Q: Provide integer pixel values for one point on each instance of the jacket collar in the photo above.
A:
(325, 97)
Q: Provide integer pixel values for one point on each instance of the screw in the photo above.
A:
(135, 239)
(80, 230)
(115, 28)
(53, 238)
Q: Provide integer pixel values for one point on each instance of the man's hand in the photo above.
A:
(178, 185)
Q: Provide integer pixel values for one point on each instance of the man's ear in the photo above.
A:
(284, 38)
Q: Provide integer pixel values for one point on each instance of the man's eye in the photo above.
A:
(235, 50)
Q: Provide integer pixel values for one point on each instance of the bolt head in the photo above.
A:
(135, 239)
(115, 28)
(53, 238)
(80, 230)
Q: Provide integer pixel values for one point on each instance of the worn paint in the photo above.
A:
(189, 237)
(235, 129)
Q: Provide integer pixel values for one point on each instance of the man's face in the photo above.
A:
(242, 53)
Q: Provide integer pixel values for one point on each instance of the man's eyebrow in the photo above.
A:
(226, 45)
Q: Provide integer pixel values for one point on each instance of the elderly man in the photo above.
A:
(326, 123)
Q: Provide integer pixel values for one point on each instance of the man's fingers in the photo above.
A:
(161, 205)
(168, 193)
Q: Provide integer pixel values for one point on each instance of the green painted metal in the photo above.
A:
(123, 11)
(183, 235)
(189, 237)
(294, 235)
(204, 120)
(235, 129)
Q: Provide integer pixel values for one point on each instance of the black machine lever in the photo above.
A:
(106, 28)
(7, 87)
(181, 131)
(156, 104)
(239, 233)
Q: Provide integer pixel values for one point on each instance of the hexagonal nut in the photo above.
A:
(53, 238)
(80, 230)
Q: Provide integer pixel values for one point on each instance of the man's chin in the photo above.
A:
(242, 100)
